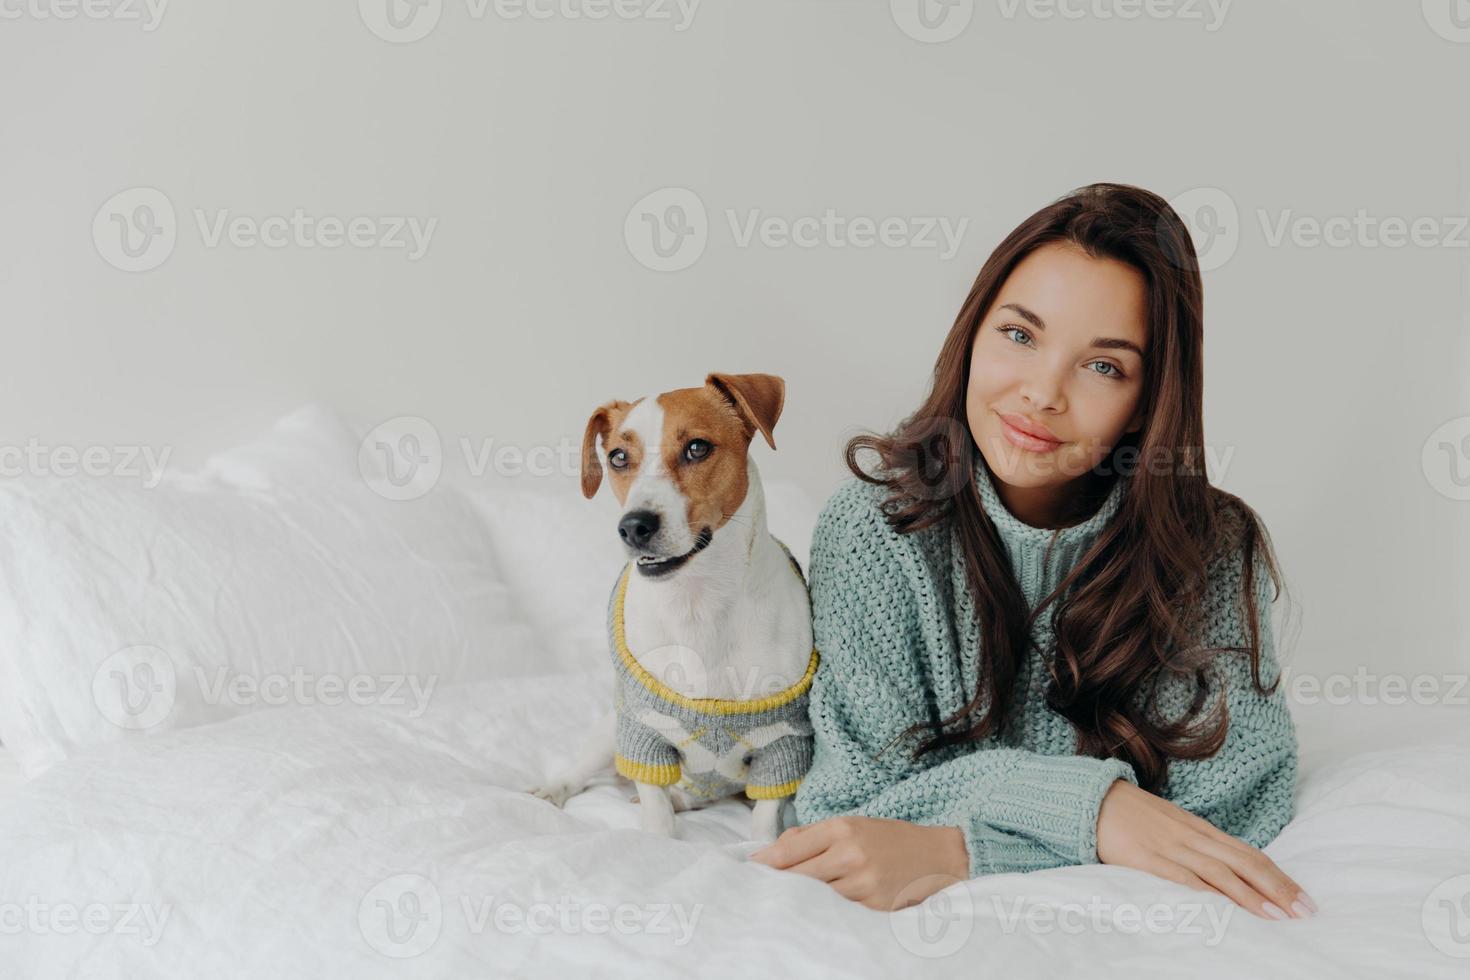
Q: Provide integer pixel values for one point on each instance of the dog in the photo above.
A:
(710, 621)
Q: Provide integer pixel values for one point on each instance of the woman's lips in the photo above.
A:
(1026, 441)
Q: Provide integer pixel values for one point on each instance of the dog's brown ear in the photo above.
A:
(598, 425)
(757, 397)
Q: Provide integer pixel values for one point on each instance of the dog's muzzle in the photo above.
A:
(654, 566)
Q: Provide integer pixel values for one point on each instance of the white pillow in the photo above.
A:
(276, 575)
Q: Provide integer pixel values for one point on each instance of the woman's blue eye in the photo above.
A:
(1011, 330)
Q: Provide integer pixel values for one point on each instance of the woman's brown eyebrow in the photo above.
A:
(1107, 343)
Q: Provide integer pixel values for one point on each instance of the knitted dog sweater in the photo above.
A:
(709, 747)
(894, 620)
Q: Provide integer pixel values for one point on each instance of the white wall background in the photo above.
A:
(530, 139)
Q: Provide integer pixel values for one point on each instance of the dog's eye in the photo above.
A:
(617, 459)
(697, 449)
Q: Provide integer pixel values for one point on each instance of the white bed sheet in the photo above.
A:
(297, 842)
(10, 773)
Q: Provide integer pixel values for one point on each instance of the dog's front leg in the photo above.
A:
(765, 820)
(597, 755)
(656, 807)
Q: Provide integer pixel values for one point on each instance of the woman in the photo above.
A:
(1045, 638)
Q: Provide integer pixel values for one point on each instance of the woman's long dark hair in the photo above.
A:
(1130, 609)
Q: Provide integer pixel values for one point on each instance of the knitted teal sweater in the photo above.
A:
(896, 650)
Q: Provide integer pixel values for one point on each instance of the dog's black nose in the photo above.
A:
(637, 527)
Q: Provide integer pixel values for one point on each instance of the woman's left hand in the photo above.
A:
(884, 864)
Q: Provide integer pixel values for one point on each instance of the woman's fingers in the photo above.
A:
(792, 848)
(1162, 867)
(1258, 871)
(812, 853)
(824, 867)
(1246, 860)
(1222, 878)
(1202, 825)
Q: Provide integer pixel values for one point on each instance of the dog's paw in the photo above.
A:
(765, 821)
(656, 813)
(554, 793)
(658, 821)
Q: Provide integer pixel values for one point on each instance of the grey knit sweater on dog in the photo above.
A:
(708, 747)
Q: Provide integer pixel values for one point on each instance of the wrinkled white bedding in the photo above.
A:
(360, 842)
(11, 776)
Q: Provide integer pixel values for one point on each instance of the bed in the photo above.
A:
(388, 837)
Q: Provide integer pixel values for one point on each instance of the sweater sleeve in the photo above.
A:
(1246, 788)
(1018, 810)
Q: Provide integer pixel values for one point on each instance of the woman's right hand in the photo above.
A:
(1138, 829)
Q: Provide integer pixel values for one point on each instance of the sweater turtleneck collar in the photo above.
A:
(1038, 572)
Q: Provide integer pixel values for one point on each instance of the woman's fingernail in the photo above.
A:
(1301, 910)
(1306, 900)
(1273, 911)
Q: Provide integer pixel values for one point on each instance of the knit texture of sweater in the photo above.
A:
(708, 747)
(893, 617)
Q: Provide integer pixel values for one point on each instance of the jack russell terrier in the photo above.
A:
(709, 623)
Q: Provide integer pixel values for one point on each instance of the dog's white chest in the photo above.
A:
(761, 645)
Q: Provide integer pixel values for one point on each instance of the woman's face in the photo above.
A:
(1059, 353)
